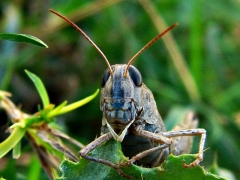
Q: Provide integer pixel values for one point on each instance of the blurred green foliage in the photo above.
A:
(208, 38)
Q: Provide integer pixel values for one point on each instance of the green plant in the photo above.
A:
(40, 128)
(170, 169)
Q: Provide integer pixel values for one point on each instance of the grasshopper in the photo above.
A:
(130, 116)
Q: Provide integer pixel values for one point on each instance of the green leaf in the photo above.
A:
(40, 88)
(22, 38)
(221, 171)
(17, 150)
(77, 104)
(171, 168)
(11, 141)
(56, 110)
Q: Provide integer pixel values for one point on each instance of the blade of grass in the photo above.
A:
(196, 41)
(40, 88)
(54, 24)
(23, 38)
(173, 50)
(35, 169)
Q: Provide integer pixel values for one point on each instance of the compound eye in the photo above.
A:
(106, 76)
(135, 75)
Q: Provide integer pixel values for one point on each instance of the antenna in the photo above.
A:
(147, 45)
(86, 37)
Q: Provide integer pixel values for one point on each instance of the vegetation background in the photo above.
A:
(201, 72)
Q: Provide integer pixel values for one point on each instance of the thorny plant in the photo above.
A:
(40, 129)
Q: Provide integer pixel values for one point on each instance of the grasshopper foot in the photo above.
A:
(128, 163)
(193, 164)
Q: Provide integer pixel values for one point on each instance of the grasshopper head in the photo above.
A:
(121, 96)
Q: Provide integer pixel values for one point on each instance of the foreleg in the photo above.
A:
(97, 142)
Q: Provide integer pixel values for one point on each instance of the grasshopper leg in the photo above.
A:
(97, 142)
(143, 154)
(155, 137)
(165, 138)
(191, 132)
